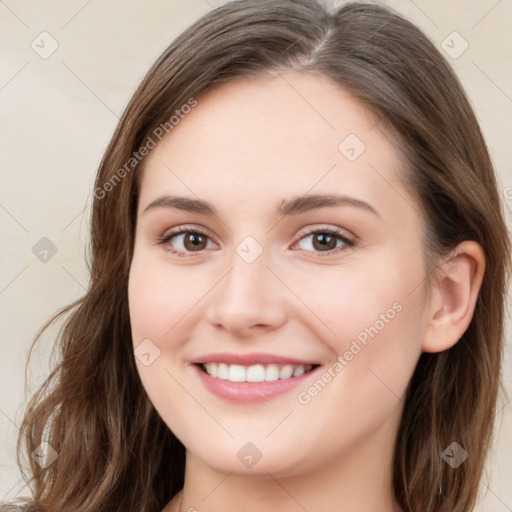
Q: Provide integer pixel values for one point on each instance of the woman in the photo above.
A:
(335, 341)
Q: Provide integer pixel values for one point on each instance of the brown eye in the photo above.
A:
(326, 240)
(194, 241)
(186, 241)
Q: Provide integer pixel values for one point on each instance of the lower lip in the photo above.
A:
(250, 392)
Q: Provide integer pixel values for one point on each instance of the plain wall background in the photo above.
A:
(59, 112)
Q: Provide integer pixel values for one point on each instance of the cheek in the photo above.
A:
(160, 296)
(375, 351)
(374, 319)
(353, 301)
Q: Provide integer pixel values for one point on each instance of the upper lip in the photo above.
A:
(249, 359)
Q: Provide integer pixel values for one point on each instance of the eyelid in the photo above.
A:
(348, 240)
(325, 228)
(180, 230)
(177, 230)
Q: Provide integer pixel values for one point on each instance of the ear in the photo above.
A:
(454, 294)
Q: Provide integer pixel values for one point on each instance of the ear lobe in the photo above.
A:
(454, 295)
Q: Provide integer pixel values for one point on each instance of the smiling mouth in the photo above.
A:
(255, 373)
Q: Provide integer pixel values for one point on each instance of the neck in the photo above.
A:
(357, 480)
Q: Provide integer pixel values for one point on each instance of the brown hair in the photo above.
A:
(115, 452)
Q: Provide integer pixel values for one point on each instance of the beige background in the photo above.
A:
(59, 112)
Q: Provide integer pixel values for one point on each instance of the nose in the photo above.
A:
(248, 300)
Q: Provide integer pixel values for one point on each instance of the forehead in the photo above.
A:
(272, 137)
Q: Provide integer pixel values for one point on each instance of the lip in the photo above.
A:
(250, 359)
(249, 392)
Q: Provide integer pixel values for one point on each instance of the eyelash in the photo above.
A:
(325, 230)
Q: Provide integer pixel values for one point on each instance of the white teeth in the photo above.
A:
(272, 372)
(254, 373)
(212, 369)
(298, 371)
(236, 373)
(222, 371)
(286, 372)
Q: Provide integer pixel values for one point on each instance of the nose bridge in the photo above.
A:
(247, 296)
(241, 283)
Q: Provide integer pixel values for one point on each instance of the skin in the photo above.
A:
(246, 147)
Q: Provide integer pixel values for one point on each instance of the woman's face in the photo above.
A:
(308, 259)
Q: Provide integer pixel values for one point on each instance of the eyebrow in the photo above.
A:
(288, 207)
